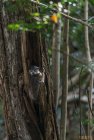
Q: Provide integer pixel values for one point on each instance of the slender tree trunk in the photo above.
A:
(86, 32)
(65, 79)
(56, 59)
(89, 59)
(56, 43)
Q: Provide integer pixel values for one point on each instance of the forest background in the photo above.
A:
(63, 32)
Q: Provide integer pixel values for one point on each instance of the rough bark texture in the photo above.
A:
(29, 113)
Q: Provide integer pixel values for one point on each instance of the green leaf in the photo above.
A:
(14, 26)
(35, 14)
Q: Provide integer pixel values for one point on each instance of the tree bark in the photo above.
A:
(29, 113)
(65, 79)
(56, 60)
(89, 59)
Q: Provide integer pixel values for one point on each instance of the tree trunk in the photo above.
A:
(63, 121)
(56, 43)
(27, 91)
(89, 59)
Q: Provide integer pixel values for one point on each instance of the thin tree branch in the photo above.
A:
(63, 14)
